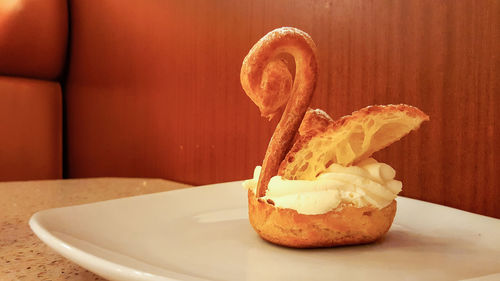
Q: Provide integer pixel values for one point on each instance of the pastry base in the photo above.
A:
(346, 225)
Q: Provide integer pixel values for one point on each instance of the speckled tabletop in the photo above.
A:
(22, 255)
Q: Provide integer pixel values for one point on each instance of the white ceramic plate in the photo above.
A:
(203, 234)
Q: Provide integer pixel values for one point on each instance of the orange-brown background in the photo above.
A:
(151, 88)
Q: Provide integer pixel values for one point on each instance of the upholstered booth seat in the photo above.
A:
(33, 38)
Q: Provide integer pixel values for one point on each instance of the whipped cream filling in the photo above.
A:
(369, 183)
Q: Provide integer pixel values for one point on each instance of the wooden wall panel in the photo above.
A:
(441, 56)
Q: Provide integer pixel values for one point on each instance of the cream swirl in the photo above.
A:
(369, 183)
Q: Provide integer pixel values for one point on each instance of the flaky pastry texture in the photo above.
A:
(348, 140)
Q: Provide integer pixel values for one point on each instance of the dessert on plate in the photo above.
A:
(318, 185)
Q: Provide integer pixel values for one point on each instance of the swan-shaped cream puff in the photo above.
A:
(318, 186)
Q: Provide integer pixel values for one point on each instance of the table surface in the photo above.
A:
(22, 255)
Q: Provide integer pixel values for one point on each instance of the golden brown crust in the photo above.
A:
(264, 78)
(314, 122)
(347, 225)
(380, 109)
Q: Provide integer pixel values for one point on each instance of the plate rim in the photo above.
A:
(96, 264)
